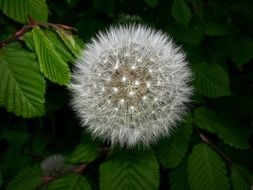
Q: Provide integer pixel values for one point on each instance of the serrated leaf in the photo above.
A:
(70, 182)
(208, 120)
(84, 153)
(22, 87)
(151, 3)
(239, 182)
(182, 34)
(20, 10)
(130, 170)
(15, 138)
(206, 170)
(181, 12)
(240, 49)
(171, 151)
(211, 80)
(51, 63)
(58, 44)
(73, 43)
(28, 179)
(214, 28)
(179, 178)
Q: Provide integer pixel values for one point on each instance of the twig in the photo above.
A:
(205, 140)
(32, 24)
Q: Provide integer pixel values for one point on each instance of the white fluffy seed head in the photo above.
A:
(53, 165)
(148, 88)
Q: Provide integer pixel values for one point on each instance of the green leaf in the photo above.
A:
(58, 44)
(208, 120)
(15, 138)
(151, 3)
(211, 80)
(70, 182)
(240, 49)
(239, 182)
(182, 34)
(216, 28)
(28, 179)
(22, 87)
(73, 43)
(178, 178)
(171, 151)
(20, 10)
(51, 63)
(84, 153)
(206, 169)
(130, 170)
(181, 12)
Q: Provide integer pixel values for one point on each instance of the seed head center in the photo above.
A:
(128, 85)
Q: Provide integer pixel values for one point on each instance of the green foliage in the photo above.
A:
(179, 178)
(208, 120)
(84, 153)
(217, 38)
(70, 182)
(28, 179)
(171, 151)
(181, 12)
(22, 95)
(216, 28)
(151, 3)
(211, 80)
(130, 170)
(20, 10)
(206, 169)
(241, 50)
(51, 63)
(238, 180)
(74, 44)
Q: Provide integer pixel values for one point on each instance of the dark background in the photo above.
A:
(214, 32)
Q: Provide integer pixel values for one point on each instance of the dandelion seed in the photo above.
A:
(141, 100)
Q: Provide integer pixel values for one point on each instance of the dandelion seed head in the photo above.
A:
(53, 165)
(142, 85)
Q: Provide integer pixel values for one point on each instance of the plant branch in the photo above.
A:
(32, 24)
(206, 140)
(45, 180)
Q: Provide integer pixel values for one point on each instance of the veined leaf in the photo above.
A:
(84, 153)
(181, 12)
(213, 28)
(20, 10)
(74, 44)
(22, 87)
(130, 170)
(51, 63)
(208, 120)
(171, 151)
(240, 49)
(182, 34)
(58, 44)
(28, 179)
(151, 3)
(206, 169)
(70, 182)
(239, 181)
(211, 80)
(178, 178)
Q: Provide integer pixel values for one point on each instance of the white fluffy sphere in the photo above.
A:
(131, 85)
